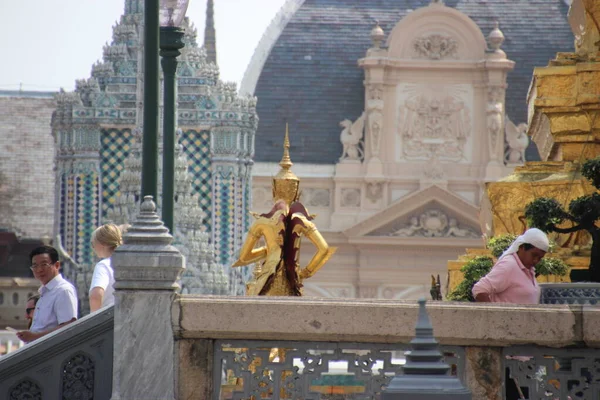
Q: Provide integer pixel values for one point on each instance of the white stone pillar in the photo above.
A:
(146, 269)
(375, 130)
(497, 66)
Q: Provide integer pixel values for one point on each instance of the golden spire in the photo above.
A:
(286, 183)
(286, 162)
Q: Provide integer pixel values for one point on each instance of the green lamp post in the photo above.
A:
(172, 13)
(151, 82)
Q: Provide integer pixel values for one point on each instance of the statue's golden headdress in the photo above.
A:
(286, 184)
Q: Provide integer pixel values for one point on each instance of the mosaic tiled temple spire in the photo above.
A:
(95, 129)
(134, 7)
(210, 37)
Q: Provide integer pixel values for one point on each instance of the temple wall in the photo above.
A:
(27, 159)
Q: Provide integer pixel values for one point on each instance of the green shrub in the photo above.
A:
(473, 270)
(551, 266)
(499, 244)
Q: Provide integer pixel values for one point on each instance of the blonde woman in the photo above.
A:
(105, 240)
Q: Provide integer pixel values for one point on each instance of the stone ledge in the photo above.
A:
(381, 321)
(590, 325)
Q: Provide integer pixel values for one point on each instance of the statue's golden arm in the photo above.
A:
(248, 254)
(324, 252)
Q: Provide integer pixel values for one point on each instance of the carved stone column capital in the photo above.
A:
(147, 260)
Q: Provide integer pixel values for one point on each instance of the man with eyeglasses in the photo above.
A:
(57, 305)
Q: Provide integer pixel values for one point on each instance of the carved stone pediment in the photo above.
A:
(433, 212)
(430, 223)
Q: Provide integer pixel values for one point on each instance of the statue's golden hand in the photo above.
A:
(304, 273)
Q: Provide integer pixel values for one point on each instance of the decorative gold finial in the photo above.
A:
(286, 162)
(286, 183)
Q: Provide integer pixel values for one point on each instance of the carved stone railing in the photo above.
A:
(311, 369)
(74, 362)
(545, 373)
(308, 348)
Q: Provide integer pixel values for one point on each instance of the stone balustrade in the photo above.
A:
(478, 339)
(248, 346)
(74, 362)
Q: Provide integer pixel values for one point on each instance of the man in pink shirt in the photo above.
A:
(512, 279)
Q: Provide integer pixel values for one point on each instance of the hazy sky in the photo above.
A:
(47, 44)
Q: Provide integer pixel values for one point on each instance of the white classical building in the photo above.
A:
(394, 140)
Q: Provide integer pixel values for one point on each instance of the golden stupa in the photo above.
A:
(564, 122)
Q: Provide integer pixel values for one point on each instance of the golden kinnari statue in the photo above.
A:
(278, 272)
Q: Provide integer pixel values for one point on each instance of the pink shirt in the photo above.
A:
(509, 282)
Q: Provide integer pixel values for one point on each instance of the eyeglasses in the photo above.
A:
(29, 310)
(44, 265)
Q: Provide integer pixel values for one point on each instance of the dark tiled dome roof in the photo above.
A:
(311, 77)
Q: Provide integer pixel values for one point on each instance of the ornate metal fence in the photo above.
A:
(553, 374)
(74, 362)
(256, 370)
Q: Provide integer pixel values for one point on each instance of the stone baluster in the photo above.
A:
(147, 268)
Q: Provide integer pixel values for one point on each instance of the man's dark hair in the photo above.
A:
(527, 246)
(51, 251)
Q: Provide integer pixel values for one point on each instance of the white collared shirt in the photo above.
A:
(57, 305)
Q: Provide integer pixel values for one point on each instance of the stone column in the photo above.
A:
(483, 372)
(374, 103)
(147, 268)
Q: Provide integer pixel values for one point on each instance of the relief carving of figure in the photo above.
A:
(494, 119)
(374, 191)
(454, 230)
(517, 140)
(494, 124)
(351, 138)
(375, 121)
(375, 92)
(434, 169)
(434, 223)
(411, 230)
